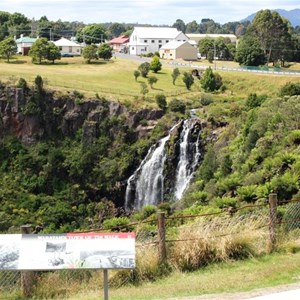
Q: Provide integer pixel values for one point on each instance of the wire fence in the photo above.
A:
(185, 240)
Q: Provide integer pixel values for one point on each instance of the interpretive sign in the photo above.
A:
(67, 251)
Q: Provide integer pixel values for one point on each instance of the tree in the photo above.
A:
(175, 74)
(211, 81)
(272, 32)
(144, 69)
(205, 45)
(192, 27)
(105, 51)
(179, 25)
(8, 48)
(115, 29)
(39, 50)
(249, 52)
(152, 80)
(136, 74)
(188, 80)
(92, 34)
(89, 53)
(53, 52)
(155, 64)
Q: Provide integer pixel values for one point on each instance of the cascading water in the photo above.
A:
(147, 184)
(188, 159)
(147, 181)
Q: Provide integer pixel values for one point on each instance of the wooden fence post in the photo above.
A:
(273, 220)
(162, 252)
(28, 278)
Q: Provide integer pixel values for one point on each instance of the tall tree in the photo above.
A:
(53, 52)
(249, 52)
(39, 50)
(8, 48)
(272, 31)
(115, 29)
(92, 34)
(192, 27)
(205, 45)
(180, 25)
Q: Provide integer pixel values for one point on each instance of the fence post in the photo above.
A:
(273, 220)
(28, 278)
(162, 252)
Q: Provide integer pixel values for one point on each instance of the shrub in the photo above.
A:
(136, 74)
(117, 224)
(225, 202)
(254, 101)
(176, 105)
(205, 99)
(144, 69)
(247, 193)
(188, 80)
(155, 64)
(290, 89)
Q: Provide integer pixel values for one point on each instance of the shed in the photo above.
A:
(178, 50)
(119, 43)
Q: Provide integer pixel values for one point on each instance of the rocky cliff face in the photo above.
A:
(31, 117)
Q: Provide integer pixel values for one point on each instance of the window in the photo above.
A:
(60, 48)
(167, 41)
(159, 41)
(145, 41)
(152, 41)
(70, 49)
(132, 48)
(159, 46)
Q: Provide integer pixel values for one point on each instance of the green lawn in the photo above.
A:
(114, 79)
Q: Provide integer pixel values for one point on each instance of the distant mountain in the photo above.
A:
(292, 15)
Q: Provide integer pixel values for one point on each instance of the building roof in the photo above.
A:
(119, 40)
(156, 32)
(65, 42)
(25, 39)
(175, 44)
(212, 35)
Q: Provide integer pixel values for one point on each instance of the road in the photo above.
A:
(217, 67)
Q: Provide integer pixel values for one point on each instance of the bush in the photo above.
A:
(206, 99)
(290, 89)
(176, 105)
(117, 224)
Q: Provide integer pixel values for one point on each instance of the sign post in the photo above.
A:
(105, 275)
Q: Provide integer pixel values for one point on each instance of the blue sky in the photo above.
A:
(156, 12)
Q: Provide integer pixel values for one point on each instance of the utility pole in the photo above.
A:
(215, 54)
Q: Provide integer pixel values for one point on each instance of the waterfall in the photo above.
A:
(188, 159)
(146, 185)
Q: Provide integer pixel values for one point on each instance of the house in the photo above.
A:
(24, 43)
(119, 43)
(144, 40)
(178, 50)
(67, 47)
(197, 36)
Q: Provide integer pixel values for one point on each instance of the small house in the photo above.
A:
(24, 43)
(67, 47)
(178, 50)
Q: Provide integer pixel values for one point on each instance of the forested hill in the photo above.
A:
(292, 15)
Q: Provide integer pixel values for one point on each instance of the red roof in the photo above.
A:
(119, 40)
